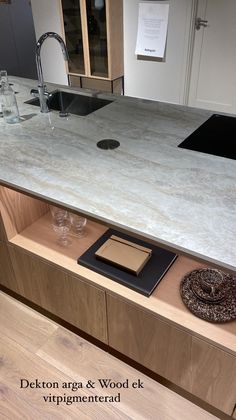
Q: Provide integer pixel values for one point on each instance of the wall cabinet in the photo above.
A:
(93, 33)
(17, 48)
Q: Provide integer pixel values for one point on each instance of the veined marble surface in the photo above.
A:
(148, 185)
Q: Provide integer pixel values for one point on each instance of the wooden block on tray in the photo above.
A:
(125, 254)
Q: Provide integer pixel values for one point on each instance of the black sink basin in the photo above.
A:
(72, 103)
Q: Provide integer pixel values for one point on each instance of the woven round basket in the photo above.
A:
(210, 294)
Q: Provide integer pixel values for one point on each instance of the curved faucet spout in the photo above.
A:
(41, 86)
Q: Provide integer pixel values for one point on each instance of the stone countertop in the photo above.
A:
(149, 186)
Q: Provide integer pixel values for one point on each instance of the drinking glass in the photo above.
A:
(61, 224)
(62, 229)
(58, 214)
(9, 107)
(78, 224)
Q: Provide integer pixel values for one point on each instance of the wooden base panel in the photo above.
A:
(111, 86)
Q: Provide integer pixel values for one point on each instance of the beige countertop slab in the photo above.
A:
(149, 186)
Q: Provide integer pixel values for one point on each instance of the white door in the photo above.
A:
(213, 75)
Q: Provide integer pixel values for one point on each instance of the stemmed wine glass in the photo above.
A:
(78, 224)
(61, 225)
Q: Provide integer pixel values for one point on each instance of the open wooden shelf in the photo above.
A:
(165, 302)
(40, 239)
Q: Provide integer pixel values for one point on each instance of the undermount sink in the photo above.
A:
(72, 103)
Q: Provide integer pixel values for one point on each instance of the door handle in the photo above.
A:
(200, 22)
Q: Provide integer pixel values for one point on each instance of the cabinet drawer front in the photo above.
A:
(7, 277)
(66, 296)
(213, 375)
(189, 362)
(149, 341)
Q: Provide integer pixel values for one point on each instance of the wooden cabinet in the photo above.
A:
(157, 332)
(200, 368)
(2, 230)
(66, 296)
(213, 375)
(153, 343)
(111, 86)
(93, 33)
(7, 277)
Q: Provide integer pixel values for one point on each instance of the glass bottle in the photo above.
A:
(3, 80)
(8, 102)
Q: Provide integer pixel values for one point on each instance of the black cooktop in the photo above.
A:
(216, 136)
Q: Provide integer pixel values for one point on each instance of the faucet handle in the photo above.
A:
(34, 93)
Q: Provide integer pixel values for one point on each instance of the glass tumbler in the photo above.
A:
(62, 229)
(58, 214)
(78, 224)
(61, 224)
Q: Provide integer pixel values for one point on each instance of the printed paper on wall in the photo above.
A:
(152, 29)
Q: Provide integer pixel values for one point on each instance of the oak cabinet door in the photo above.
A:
(191, 363)
(66, 296)
(213, 375)
(7, 277)
(147, 340)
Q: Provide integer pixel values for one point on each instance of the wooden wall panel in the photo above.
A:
(65, 296)
(85, 37)
(7, 277)
(114, 10)
(19, 210)
(2, 230)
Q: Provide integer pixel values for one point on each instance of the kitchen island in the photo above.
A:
(178, 197)
(148, 187)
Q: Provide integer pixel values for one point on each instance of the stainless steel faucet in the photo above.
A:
(42, 91)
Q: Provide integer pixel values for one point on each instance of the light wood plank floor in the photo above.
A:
(34, 347)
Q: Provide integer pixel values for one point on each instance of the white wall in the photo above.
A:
(164, 81)
(47, 17)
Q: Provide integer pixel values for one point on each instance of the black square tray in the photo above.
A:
(147, 279)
